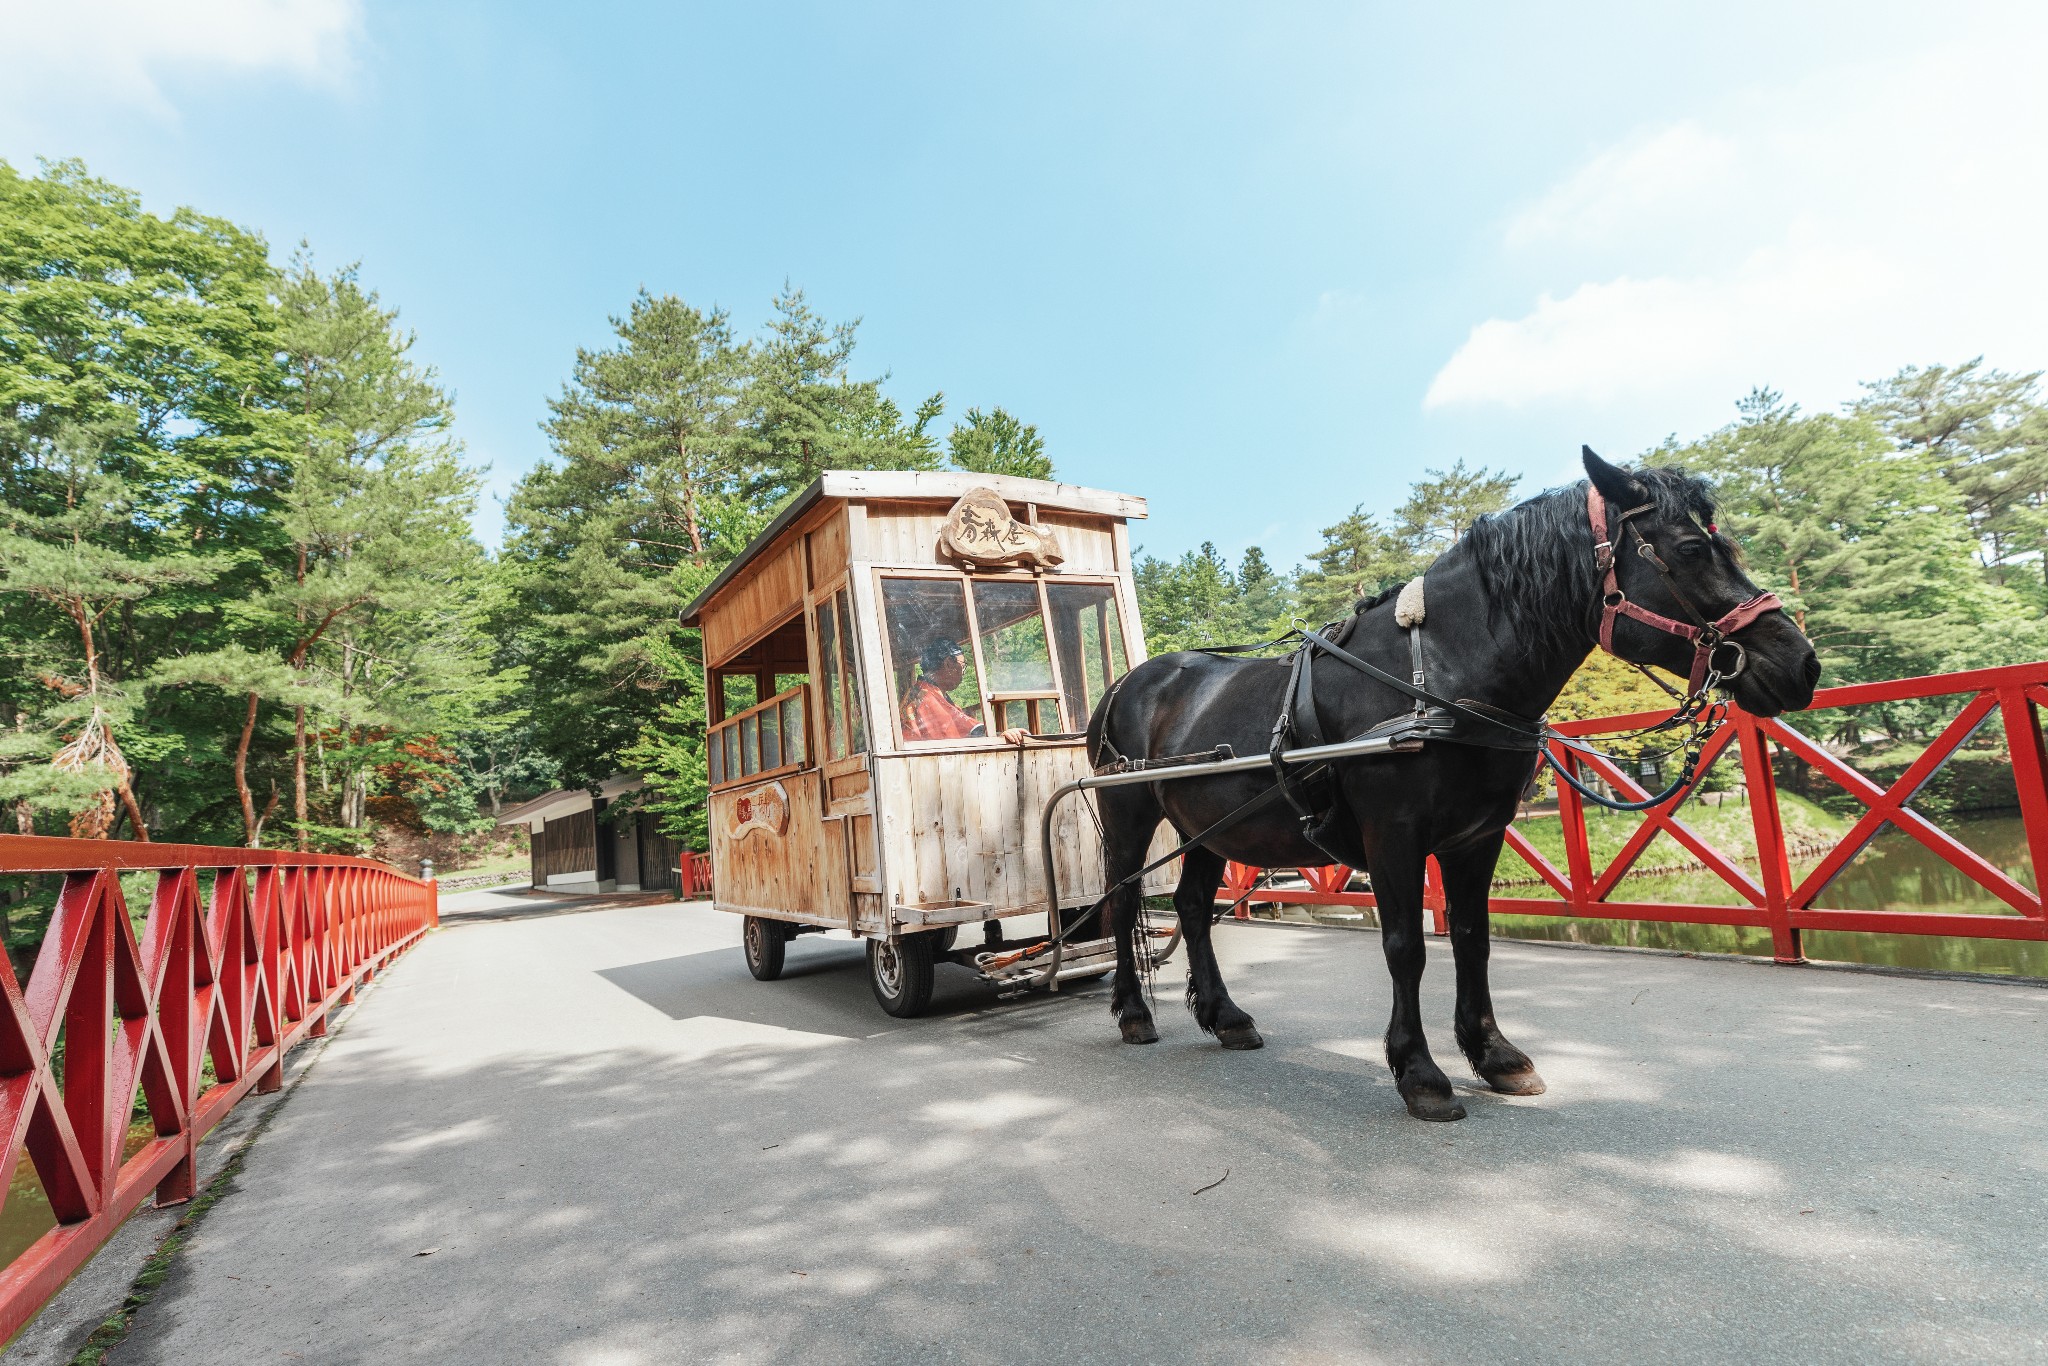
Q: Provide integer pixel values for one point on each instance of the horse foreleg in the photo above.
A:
(1127, 832)
(1468, 880)
(1194, 901)
(1397, 889)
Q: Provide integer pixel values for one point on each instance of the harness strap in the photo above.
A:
(1706, 636)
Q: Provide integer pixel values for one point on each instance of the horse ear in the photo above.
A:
(1615, 485)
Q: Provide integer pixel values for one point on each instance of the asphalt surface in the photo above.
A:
(563, 1134)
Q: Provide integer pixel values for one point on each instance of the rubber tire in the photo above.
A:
(944, 940)
(911, 991)
(763, 941)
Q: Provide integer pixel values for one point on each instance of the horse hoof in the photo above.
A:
(1523, 1083)
(1241, 1038)
(1138, 1031)
(1437, 1109)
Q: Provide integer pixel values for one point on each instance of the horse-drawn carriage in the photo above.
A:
(899, 670)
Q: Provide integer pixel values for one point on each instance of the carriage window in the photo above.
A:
(829, 661)
(1090, 639)
(936, 687)
(856, 710)
(1013, 648)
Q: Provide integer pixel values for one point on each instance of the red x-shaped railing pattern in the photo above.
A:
(233, 972)
(1771, 898)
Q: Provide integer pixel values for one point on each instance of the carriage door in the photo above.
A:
(849, 798)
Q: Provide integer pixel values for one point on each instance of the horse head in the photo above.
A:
(1675, 594)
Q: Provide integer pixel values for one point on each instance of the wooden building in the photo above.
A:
(865, 655)
(586, 843)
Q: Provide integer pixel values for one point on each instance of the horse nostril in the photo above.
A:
(1812, 669)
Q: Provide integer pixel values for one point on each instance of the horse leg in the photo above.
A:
(1194, 901)
(1128, 820)
(1468, 880)
(1397, 888)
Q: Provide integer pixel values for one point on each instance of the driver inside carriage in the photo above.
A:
(929, 712)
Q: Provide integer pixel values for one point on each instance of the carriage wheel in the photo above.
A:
(764, 941)
(943, 940)
(900, 973)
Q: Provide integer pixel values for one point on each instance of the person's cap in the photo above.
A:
(937, 652)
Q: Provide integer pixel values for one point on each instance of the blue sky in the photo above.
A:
(1259, 267)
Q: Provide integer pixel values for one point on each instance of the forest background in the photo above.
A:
(241, 602)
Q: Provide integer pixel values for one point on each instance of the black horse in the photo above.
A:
(1512, 609)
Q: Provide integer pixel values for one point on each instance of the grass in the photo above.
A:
(1727, 827)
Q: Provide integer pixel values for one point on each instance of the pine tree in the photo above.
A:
(997, 443)
(810, 415)
(1357, 559)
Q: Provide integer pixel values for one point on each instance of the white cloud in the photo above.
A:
(70, 56)
(1663, 172)
(1805, 237)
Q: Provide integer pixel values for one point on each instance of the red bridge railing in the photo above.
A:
(235, 972)
(1771, 897)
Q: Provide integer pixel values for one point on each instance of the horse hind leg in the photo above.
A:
(1194, 901)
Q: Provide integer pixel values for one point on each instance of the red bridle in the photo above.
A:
(1706, 636)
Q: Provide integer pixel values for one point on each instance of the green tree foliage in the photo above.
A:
(1444, 503)
(997, 443)
(1868, 543)
(138, 430)
(235, 540)
(1987, 433)
(1358, 558)
(810, 415)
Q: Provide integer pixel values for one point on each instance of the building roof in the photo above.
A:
(892, 485)
(567, 801)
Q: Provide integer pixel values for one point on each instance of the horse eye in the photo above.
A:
(1693, 550)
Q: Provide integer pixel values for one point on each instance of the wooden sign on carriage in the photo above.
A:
(864, 657)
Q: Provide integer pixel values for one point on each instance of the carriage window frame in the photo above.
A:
(993, 737)
(730, 739)
(851, 689)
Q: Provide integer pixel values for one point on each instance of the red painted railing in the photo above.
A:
(235, 973)
(1773, 898)
(695, 872)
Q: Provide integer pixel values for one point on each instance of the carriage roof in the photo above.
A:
(910, 486)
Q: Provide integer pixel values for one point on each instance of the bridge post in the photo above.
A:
(1773, 862)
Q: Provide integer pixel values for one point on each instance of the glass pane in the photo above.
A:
(1013, 644)
(856, 709)
(750, 753)
(717, 756)
(793, 747)
(1090, 638)
(937, 693)
(828, 657)
(771, 738)
(732, 752)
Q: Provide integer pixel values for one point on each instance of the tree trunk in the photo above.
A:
(299, 771)
(252, 829)
(134, 810)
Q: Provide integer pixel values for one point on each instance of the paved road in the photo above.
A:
(621, 1149)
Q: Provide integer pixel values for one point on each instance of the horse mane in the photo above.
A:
(1535, 560)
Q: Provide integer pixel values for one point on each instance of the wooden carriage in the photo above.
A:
(864, 658)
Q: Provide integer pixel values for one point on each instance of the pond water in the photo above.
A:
(1894, 872)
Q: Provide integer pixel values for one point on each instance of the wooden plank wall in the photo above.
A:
(965, 826)
(800, 873)
(1087, 542)
(567, 844)
(904, 533)
(759, 599)
(657, 855)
